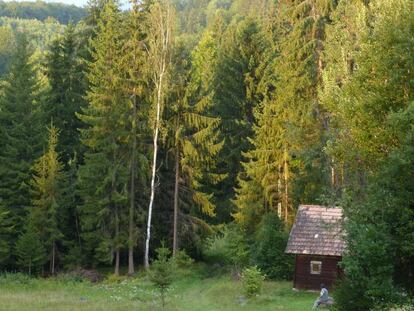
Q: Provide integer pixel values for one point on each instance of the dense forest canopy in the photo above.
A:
(203, 124)
(41, 11)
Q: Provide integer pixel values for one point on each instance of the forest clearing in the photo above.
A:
(207, 155)
(196, 290)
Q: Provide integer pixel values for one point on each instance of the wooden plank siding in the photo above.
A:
(303, 278)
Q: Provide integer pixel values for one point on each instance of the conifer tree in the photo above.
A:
(136, 87)
(29, 250)
(47, 193)
(20, 135)
(193, 137)
(6, 231)
(237, 74)
(103, 177)
(287, 164)
(66, 94)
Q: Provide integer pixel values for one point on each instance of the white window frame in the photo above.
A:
(312, 263)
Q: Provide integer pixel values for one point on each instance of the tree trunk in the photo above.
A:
(176, 188)
(116, 272)
(154, 170)
(161, 61)
(286, 180)
(131, 241)
(52, 268)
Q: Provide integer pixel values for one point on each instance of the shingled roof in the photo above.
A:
(317, 231)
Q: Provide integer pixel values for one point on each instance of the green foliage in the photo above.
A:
(6, 231)
(375, 269)
(182, 260)
(103, 176)
(114, 279)
(7, 49)
(46, 192)
(252, 279)
(42, 11)
(20, 135)
(269, 249)
(31, 254)
(161, 272)
(227, 247)
(65, 71)
(39, 34)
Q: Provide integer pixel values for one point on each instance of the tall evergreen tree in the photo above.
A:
(237, 78)
(67, 90)
(20, 134)
(287, 164)
(193, 137)
(103, 177)
(136, 87)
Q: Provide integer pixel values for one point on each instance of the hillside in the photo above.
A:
(41, 11)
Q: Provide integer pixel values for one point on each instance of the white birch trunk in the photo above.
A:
(160, 60)
(154, 170)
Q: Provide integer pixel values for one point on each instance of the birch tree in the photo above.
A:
(159, 44)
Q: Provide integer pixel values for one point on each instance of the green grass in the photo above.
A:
(198, 289)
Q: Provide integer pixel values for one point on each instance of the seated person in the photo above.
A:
(323, 297)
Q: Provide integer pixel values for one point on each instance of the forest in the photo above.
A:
(191, 131)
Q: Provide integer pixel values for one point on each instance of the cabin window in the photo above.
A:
(316, 267)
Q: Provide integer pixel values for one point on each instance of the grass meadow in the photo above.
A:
(198, 289)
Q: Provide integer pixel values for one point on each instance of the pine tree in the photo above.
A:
(103, 177)
(20, 134)
(47, 193)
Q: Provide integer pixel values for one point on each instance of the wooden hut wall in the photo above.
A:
(329, 272)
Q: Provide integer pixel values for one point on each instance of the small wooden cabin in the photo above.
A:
(317, 241)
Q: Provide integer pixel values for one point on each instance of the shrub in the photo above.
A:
(269, 249)
(115, 279)
(15, 278)
(228, 247)
(182, 260)
(252, 281)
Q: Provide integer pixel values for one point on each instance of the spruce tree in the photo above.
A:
(31, 254)
(6, 231)
(20, 134)
(193, 138)
(237, 76)
(66, 94)
(103, 177)
(136, 88)
(287, 164)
